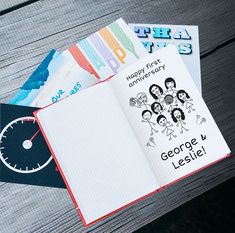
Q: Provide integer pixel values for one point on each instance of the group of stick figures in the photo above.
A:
(167, 101)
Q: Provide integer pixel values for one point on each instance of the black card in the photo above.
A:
(24, 155)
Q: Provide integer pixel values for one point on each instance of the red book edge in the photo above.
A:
(127, 205)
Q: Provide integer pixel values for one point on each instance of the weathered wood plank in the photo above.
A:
(4, 5)
(26, 35)
(40, 209)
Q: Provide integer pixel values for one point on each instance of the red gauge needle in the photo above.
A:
(31, 139)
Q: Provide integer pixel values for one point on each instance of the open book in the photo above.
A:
(125, 138)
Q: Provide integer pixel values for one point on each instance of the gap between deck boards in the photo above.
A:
(224, 44)
(16, 7)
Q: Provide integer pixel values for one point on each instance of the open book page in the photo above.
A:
(169, 117)
(97, 151)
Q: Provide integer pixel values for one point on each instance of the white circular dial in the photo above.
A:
(22, 146)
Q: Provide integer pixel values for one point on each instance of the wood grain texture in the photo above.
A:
(4, 5)
(27, 34)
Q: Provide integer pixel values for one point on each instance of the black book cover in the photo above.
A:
(24, 155)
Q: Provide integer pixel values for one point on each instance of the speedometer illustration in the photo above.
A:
(24, 155)
(20, 140)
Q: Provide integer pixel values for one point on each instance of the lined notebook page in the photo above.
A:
(97, 151)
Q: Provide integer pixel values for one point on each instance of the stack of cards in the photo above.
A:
(84, 64)
(92, 60)
(102, 55)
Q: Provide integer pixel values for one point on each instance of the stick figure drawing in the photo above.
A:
(140, 100)
(184, 98)
(169, 101)
(162, 103)
(170, 85)
(156, 92)
(157, 108)
(162, 121)
(178, 117)
(147, 115)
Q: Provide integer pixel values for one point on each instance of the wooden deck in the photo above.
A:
(29, 29)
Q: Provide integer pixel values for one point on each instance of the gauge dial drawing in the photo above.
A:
(20, 144)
